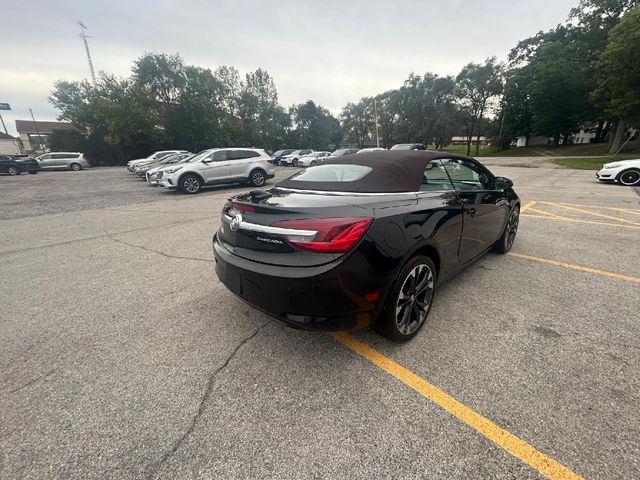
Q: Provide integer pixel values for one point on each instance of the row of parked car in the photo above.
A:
(17, 164)
(308, 157)
(189, 172)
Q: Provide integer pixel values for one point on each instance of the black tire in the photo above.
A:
(32, 172)
(190, 184)
(294, 162)
(630, 178)
(410, 298)
(313, 162)
(13, 170)
(504, 244)
(76, 167)
(257, 178)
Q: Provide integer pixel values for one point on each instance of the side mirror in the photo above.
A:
(503, 183)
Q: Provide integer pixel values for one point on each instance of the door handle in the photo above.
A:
(471, 211)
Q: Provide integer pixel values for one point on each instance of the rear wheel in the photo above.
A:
(75, 167)
(504, 244)
(257, 178)
(409, 301)
(630, 178)
(190, 184)
(14, 171)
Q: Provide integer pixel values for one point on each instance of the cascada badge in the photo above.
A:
(235, 223)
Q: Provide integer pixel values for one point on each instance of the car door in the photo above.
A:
(4, 163)
(485, 207)
(46, 161)
(215, 167)
(240, 162)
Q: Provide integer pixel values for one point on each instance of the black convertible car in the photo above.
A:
(17, 164)
(364, 239)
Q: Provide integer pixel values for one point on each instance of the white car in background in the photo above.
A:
(63, 160)
(625, 172)
(312, 159)
(219, 166)
(294, 157)
(154, 156)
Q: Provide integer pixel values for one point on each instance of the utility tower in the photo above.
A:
(84, 37)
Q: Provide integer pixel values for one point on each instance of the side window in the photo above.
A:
(58, 156)
(435, 177)
(219, 155)
(242, 154)
(467, 175)
(46, 157)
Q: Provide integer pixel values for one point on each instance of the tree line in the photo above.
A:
(586, 69)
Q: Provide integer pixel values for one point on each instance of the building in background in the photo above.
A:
(34, 135)
(9, 145)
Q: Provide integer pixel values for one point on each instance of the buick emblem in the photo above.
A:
(235, 223)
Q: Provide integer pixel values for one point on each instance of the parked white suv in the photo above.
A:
(66, 160)
(219, 165)
(293, 157)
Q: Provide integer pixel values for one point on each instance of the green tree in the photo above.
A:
(315, 127)
(619, 74)
(358, 121)
(476, 85)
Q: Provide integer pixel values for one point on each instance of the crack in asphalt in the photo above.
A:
(159, 252)
(203, 401)
(35, 380)
(96, 237)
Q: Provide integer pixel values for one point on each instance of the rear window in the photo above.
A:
(332, 173)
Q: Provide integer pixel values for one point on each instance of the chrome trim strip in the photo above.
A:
(254, 227)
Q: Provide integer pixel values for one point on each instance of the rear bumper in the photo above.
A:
(328, 297)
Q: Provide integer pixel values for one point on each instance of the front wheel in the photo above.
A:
(630, 178)
(409, 301)
(190, 184)
(313, 162)
(504, 244)
(294, 162)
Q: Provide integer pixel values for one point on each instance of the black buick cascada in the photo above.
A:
(363, 239)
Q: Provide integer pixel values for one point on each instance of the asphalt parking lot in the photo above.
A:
(122, 356)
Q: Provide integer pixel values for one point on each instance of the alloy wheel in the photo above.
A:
(512, 228)
(75, 167)
(414, 299)
(257, 179)
(191, 184)
(630, 178)
(13, 171)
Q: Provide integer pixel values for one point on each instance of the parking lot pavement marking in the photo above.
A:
(527, 206)
(551, 216)
(595, 214)
(515, 446)
(582, 268)
(625, 210)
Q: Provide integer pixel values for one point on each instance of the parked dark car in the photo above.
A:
(408, 146)
(17, 164)
(363, 239)
(277, 156)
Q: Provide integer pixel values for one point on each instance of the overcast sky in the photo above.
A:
(329, 51)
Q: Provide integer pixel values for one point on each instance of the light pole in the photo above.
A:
(375, 112)
(37, 132)
(84, 37)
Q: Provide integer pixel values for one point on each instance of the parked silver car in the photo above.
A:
(219, 165)
(63, 160)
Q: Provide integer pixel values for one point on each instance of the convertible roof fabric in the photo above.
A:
(393, 171)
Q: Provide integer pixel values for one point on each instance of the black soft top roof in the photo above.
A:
(392, 171)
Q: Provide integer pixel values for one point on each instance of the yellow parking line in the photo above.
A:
(548, 214)
(515, 446)
(527, 206)
(575, 220)
(581, 268)
(626, 210)
(610, 217)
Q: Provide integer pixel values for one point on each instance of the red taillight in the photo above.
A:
(241, 207)
(335, 235)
